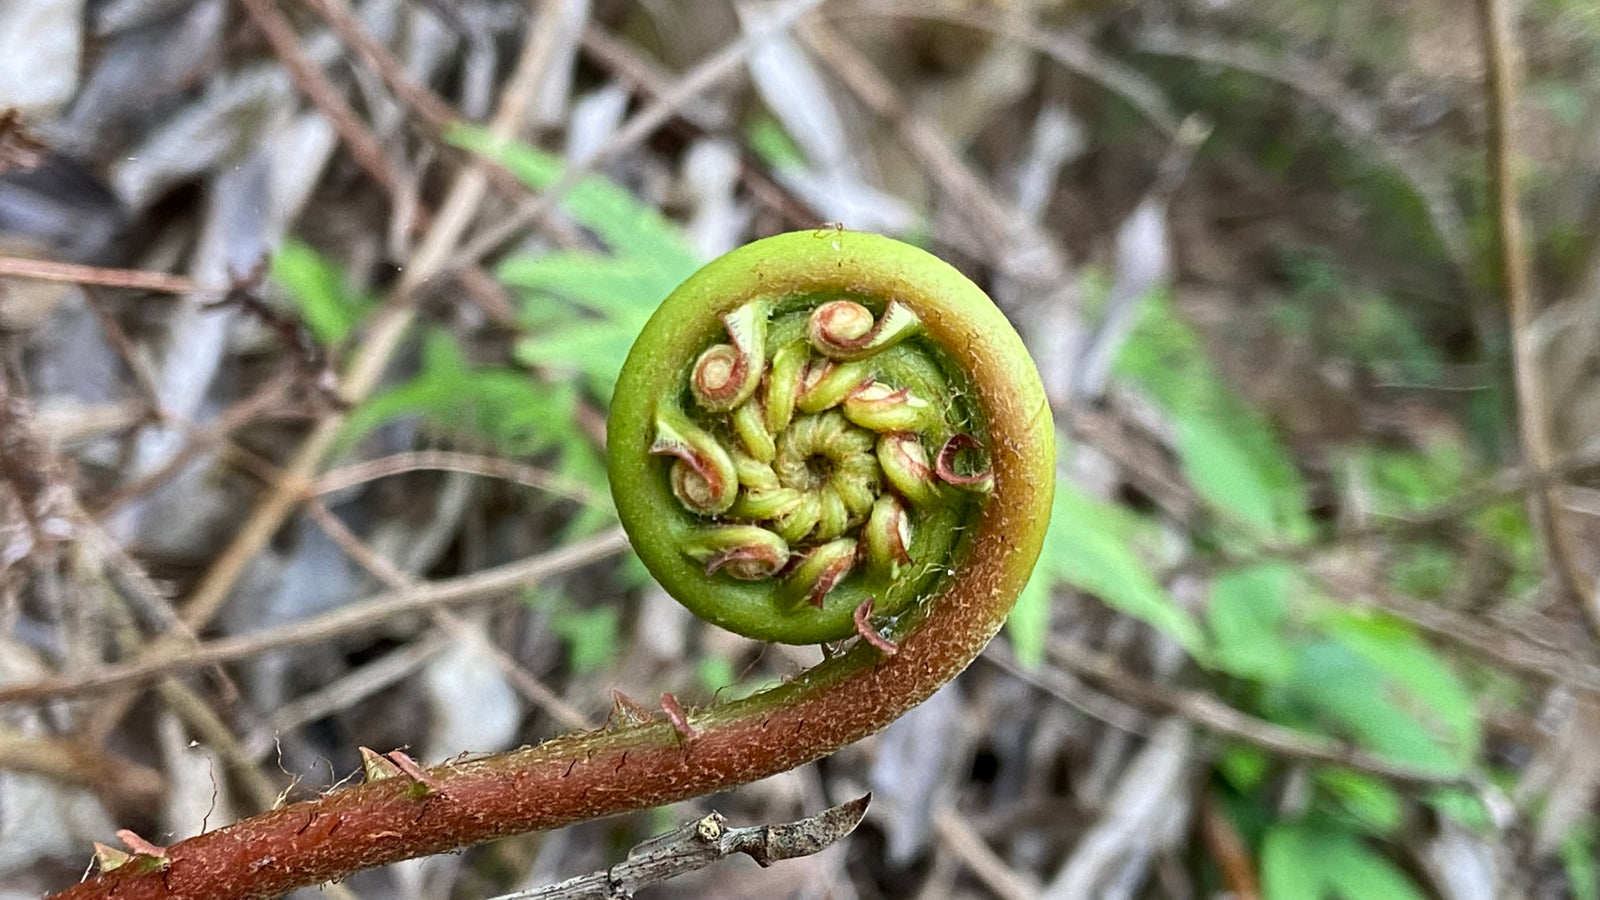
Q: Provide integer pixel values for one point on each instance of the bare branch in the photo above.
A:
(700, 843)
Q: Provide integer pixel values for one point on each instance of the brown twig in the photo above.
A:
(532, 689)
(1356, 123)
(958, 835)
(1511, 262)
(370, 359)
(1218, 717)
(207, 727)
(352, 619)
(1068, 50)
(367, 365)
(1474, 498)
(199, 438)
(701, 843)
(322, 93)
(343, 692)
(720, 65)
(135, 279)
(1506, 650)
(123, 784)
(995, 224)
(435, 112)
(454, 461)
(1228, 848)
(144, 380)
(704, 118)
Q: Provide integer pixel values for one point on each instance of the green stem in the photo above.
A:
(940, 627)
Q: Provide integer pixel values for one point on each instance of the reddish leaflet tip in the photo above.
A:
(981, 480)
(410, 769)
(863, 619)
(676, 715)
(139, 845)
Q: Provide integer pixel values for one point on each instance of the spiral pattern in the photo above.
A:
(818, 448)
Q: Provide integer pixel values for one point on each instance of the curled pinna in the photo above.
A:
(822, 420)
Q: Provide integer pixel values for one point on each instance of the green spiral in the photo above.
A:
(800, 429)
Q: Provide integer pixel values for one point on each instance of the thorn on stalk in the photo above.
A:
(376, 766)
(626, 711)
(108, 858)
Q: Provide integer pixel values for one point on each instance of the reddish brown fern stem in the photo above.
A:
(580, 777)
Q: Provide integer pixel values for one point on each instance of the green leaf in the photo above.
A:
(591, 635)
(1348, 693)
(1242, 472)
(585, 309)
(1425, 681)
(1246, 614)
(1404, 482)
(515, 413)
(628, 227)
(1373, 803)
(608, 285)
(317, 288)
(1228, 451)
(1507, 526)
(1303, 861)
(1424, 568)
(774, 145)
(1028, 625)
(1357, 872)
(1382, 335)
(1465, 808)
(1581, 858)
(715, 673)
(593, 349)
(1244, 767)
(1092, 545)
(1291, 864)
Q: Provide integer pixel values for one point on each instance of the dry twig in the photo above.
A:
(720, 65)
(699, 844)
(351, 619)
(1212, 714)
(71, 273)
(454, 461)
(322, 93)
(1512, 263)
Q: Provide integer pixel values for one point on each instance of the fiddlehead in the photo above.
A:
(797, 431)
(820, 433)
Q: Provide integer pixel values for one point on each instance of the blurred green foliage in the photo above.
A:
(582, 310)
(1312, 860)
